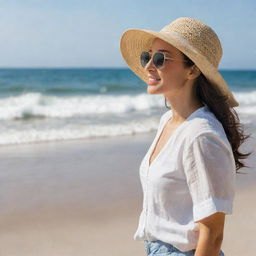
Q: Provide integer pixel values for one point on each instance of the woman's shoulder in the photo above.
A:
(205, 124)
(201, 120)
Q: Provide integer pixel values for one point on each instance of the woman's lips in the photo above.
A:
(153, 81)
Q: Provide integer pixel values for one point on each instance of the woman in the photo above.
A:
(188, 173)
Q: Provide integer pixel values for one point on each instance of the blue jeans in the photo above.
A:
(159, 248)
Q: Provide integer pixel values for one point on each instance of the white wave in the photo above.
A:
(247, 103)
(15, 136)
(246, 98)
(36, 104)
(75, 131)
(247, 110)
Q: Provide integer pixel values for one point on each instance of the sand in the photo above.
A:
(84, 198)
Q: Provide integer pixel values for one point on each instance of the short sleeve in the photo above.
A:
(210, 171)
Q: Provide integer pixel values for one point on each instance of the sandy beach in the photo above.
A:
(84, 198)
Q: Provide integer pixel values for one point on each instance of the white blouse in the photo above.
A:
(192, 177)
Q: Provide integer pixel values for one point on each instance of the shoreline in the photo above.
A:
(73, 197)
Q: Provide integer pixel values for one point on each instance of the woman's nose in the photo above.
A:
(150, 64)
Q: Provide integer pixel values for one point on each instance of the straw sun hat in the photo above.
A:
(192, 37)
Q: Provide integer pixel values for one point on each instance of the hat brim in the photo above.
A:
(134, 41)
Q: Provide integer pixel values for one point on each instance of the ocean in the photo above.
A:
(53, 104)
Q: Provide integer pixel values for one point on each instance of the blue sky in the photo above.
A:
(54, 33)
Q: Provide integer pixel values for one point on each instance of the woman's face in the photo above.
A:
(172, 75)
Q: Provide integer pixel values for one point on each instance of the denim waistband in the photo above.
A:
(155, 247)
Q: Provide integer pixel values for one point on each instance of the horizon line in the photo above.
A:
(84, 67)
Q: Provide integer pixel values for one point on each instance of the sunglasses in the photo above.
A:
(159, 59)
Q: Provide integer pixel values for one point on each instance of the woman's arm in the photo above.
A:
(210, 235)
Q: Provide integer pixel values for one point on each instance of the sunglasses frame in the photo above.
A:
(165, 58)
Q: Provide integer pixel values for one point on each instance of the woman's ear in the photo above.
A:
(194, 72)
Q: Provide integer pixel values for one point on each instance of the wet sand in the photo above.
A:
(84, 198)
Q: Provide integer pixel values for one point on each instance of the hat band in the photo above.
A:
(185, 43)
(186, 47)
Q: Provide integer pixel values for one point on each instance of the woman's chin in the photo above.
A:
(152, 89)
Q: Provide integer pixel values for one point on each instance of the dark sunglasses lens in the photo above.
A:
(144, 58)
(158, 59)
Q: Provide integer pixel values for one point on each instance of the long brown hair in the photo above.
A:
(218, 104)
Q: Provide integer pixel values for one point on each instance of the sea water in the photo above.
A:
(61, 104)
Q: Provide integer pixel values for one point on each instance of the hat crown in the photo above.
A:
(199, 35)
